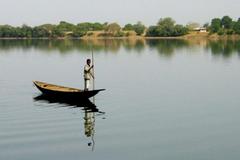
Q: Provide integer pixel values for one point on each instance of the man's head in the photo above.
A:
(88, 61)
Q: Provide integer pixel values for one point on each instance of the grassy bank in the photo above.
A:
(132, 35)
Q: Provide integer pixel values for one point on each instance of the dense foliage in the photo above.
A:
(139, 28)
(166, 27)
(63, 29)
(225, 25)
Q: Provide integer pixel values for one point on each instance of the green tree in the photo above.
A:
(139, 28)
(26, 31)
(40, 32)
(226, 22)
(166, 22)
(97, 26)
(221, 31)
(56, 32)
(79, 33)
(166, 27)
(215, 25)
(128, 27)
(152, 31)
(18, 32)
(49, 28)
(180, 30)
(87, 26)
(236, 27)
(113, 28)
(6, 31)
(65, 26)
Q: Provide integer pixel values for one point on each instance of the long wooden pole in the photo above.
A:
(93, 73)
(93, 99)
(93, 68)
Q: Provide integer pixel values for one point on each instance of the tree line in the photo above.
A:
(165, 27)
(224, 26)
(50, 30)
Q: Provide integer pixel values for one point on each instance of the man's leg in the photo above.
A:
(85, 85)
(88, 84)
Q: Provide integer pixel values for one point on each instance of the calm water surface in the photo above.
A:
(165, 99)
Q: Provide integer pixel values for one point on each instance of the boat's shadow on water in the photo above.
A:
(85, 104)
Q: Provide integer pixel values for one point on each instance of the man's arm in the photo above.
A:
(86, 69)
(90, 69)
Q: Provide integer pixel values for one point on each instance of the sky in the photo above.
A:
(36, 12)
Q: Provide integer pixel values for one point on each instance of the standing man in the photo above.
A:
(87, 74)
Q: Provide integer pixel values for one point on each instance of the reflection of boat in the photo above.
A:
(66, 92)
(89, 112)
(86, 104)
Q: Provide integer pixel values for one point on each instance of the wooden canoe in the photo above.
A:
(60, 91)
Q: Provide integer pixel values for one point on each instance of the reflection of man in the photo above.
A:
(87, 74)
(89, 124)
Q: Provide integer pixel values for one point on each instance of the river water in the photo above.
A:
(164, 99)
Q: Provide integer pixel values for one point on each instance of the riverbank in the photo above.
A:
(208, 36)
(190, 36)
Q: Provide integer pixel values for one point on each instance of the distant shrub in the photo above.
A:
(220, 32)
(105, 34)
(89, 33)
(119, 34)
(229, 32)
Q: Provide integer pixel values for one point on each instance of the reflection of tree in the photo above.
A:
(111, 45)
(62, 46)
(167, 47)
(139, 45)
(225, 48)
(134, 44)
(216, 47)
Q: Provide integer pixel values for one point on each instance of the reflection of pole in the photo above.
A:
(93, 132)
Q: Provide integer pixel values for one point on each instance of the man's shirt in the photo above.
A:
(87, 72)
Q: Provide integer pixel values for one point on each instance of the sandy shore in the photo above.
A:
(195, 35)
